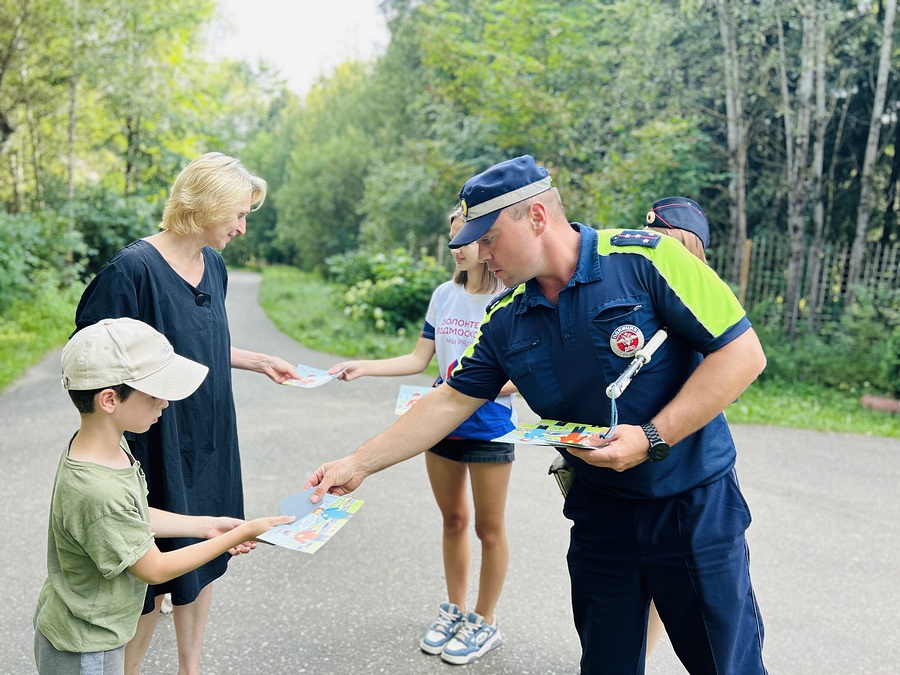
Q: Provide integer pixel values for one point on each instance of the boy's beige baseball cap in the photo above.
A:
(127, 351)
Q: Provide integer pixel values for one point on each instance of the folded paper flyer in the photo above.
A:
(552, 432)
(311, 377)
(314, 524)
(408, 396)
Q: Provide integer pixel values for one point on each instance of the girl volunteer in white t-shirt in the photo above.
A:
(451, 325)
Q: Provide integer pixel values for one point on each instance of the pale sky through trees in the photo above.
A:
(302, 38)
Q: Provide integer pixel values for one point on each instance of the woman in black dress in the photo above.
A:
(175, 280)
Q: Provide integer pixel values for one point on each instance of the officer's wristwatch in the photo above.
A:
(659, 449)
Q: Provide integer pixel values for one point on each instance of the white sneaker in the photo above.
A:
(472, 641)
(444, 627)
(165, 606)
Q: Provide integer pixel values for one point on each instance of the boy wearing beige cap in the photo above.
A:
(101, 553)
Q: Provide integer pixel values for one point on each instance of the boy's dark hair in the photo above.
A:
(84, 399)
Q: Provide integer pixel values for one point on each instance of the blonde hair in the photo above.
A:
(489, 283)
(211, 189)
(690, 240)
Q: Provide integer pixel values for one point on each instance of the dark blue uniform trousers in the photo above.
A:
(689, 554)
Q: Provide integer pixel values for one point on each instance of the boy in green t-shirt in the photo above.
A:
(101, 553)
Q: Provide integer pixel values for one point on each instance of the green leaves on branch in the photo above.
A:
(39, 254)
(859, 353)
(388, 291)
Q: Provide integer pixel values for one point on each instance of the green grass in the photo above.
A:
(311, 311)
(804, 406)
(28, 330)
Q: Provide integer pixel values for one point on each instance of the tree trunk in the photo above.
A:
(822, 117)
(131, 141)
(737, 136)
(865, 180)
(6, 62)
(797, 149)
(890, 193)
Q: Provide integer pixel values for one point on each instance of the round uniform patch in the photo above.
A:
(626, 340)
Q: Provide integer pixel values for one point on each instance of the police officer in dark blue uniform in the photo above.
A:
(655, 508)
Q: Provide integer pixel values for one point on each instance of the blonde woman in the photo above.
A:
(175, 280)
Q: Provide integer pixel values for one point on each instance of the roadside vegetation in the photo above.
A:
(313, 312)
(29, 329)
(790, 147)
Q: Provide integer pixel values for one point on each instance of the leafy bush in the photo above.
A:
(321, 324)
(39, 253)
(29, 328)
(108, 222)
(351, 267)
(857, 353)
(390, 291)
(407, 200)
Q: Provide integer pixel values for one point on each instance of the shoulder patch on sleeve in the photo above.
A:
(636, 238)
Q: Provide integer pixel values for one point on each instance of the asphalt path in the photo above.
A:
(825, 539)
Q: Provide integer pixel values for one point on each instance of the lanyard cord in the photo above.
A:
(613, 416)
(641, 357)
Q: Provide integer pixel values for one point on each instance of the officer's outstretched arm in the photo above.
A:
(426, 423)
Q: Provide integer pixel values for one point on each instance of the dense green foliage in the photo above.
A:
(855, 354)
(624, 102)
(891, 364)
(102, 103)
(310, 310)
(387, 290)
(30, 328)
(106, 221)
(375, 155)
(39, 254)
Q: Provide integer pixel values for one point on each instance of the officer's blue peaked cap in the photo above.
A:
(484, 196)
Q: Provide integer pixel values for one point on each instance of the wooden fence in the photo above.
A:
(766, 283)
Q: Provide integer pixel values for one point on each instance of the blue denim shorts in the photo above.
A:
(473, 452)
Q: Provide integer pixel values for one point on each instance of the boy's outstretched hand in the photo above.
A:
(255, 527)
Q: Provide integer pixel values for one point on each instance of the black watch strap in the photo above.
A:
(652, 433)
(659, 449)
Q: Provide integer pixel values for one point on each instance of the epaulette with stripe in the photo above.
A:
(636, 238)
